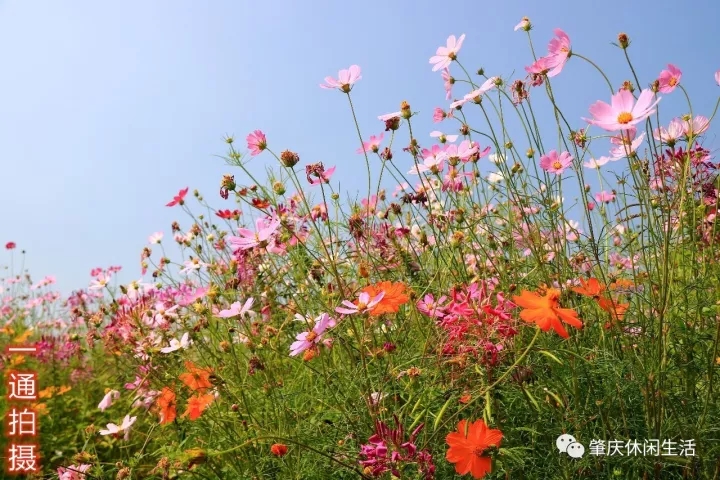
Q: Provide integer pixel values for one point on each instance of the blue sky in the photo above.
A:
(107, 109)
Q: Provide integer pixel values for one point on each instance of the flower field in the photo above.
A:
(520, 294)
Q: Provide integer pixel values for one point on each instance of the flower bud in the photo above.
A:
(623, 40)
(279, 188)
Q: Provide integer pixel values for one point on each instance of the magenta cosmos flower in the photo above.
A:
(554, 163)
(444, 56)
(622, 112)
(669, 79)
(256, 142)
(179, 198)
(346, 79)
(307, 340)
(249, 239)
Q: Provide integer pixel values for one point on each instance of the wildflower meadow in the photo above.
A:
(519, 294)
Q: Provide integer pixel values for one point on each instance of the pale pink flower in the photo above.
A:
(604, 197)
(256, 142)
(372, 145)
(669, 79)
(596, 162)
(444, 56)
(113, 429)
(156, 238)
(100, 282)
(108, 400)
(477, 93)
(524, 24)
(265, 229)
(448, 83)
(623, 112)
(400, 188)
(625, 143)
(346, 79)
(554, 163)
(184, 342)
(364, 304)
(388, 116)
(193, 265)
(307, 340)
(672, 134)
(717, 77)
(442, 138)
(237, 309)
(697, 126)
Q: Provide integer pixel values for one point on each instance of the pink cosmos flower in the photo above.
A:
(73, 472)
(256, 142)
(465, 150)
(179, 198)
(439, 115)
(697, 126)
(604, 197)
(554, 163)
(625, 143)
(307, 340)
(444, 56)
(193, 264)
(672, 134)
(113, 429)
(560, 51)
(372, 145)
(623, 112)
(10, 245)
(346, 79)
(237, 309)
(364, 304)
(265, 229)
(669, 79)
(717, 77)
(108, 400)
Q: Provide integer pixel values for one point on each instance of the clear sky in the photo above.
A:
(107, 109)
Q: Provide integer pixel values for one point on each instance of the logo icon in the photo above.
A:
(568, 444)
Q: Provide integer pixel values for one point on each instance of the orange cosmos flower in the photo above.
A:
(394, 296)
(166, 403)
(196, 405)
(591, 288)
(278, 449)
(196, 378)
(545, 311)
(466, 450)
(615, 309)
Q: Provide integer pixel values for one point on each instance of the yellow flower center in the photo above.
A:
(310, 336)
(624, 118)
(557, 165)
(672, 82)
(362, 306)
